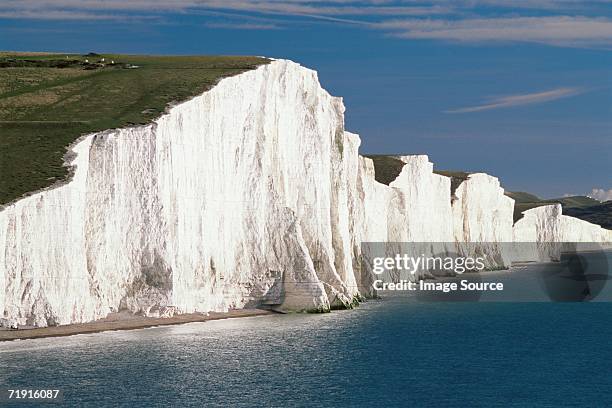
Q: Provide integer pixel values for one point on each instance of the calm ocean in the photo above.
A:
(394, 352)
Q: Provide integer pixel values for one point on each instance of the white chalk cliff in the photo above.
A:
(548, 224)
(251, 193)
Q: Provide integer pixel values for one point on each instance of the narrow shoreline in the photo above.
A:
(137, 322)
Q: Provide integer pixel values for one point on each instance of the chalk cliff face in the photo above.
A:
(481, 211)
(483, 214)
(418, 207)
(241, 195)
(417, 198)
(547, 227)
(547, 224)
(249, 194)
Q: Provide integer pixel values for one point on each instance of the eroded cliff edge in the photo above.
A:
(251, 193)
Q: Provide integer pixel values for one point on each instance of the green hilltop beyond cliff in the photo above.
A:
(48, 100)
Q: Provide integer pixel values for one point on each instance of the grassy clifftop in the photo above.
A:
(386, 167)
(48, 100)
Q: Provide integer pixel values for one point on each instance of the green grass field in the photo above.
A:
(523, 197)
(48, 100)
(386, 167)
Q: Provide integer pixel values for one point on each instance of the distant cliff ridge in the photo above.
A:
(583, 207)
(251, 193)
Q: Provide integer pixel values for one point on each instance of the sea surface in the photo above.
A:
(397, 351)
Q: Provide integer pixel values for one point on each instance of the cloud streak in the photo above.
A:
(520, 100)
(553, 30)
(578, 23)
(62, 15)
(295, 7)
(243, 26)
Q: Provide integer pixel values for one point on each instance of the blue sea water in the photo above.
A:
(394, 352)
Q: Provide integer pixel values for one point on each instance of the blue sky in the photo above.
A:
(518, 89)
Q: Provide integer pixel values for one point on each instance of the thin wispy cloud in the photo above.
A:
(548, 30)
(521, 100)
(555, 5)
(243, 26)
(340, 7)
(63, 15)
(576, 23)
(296, 7)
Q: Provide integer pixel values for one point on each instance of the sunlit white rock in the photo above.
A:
(251, 193)
(482, 218)
(238, 195)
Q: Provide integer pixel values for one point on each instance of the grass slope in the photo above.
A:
(597, 214)
(386, 168)
(575, 201)
(48, 100)
(523, 197)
